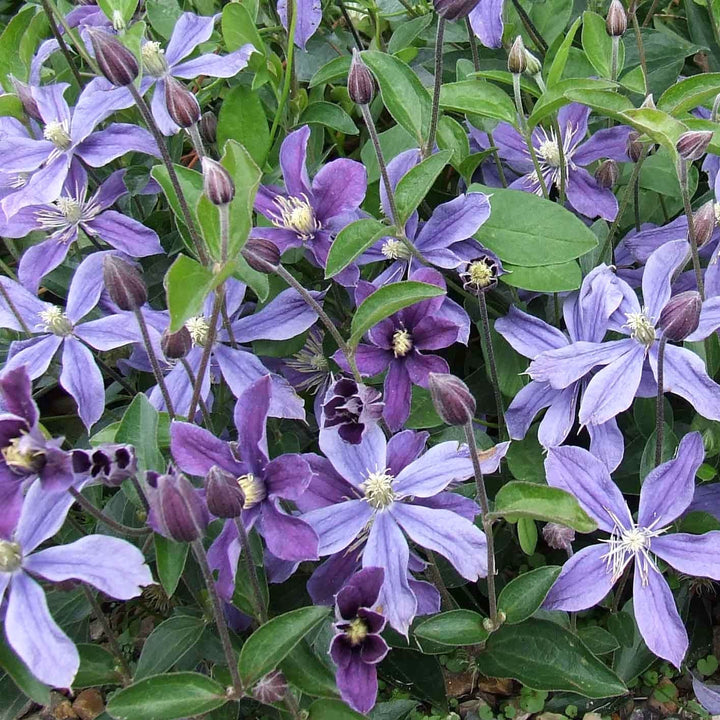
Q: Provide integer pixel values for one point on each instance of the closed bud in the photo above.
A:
(217, 183)
(534, 66)
(616, 22)
(177, 345)
(634, 146)
(452, 398)
(208, 127)
(607, 174)
(454, 9)
(225, 498)
(124, 283)
(692, 145)
(24, 93)
(271, 689)
(261, 255)
(557, 536)
(115, 61)
(176, 509)
(681, 315)
(649, 102)
(517, 59)
(183, 108)
(704, 223)
(361, 84)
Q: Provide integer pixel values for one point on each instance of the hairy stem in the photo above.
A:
(660, 402)
(251, 570)
(682, 171)
(282, 103)
(99, 515)
(207, 351)
(485, 322)
(157, 370)
(435, 112)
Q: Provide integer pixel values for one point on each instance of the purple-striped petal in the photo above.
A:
(338, 525)
(82, 378)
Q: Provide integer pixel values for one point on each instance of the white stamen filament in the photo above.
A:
(401, 343)
(199, 329)
(55, 321)
(58, 133)
(153, 57)
(641, 326)
(297, 215)
(378, 489)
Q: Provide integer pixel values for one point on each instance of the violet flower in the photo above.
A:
(265, 482)
(591, 573)
(113, 566)
(396, 345)
(351, 408)
(587, 313)
(308, 15)
(306, 214)
(358, 646)
(72, 212)
(389, 490)
(486, 20)
(613, 388)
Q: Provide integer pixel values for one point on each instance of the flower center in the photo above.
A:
(254, 489)
(199, 329)
(55, 321)
(549, 151)
(401, 343)
(58, 134)
(70, 208)
(479, 275)
(378, 489)
(356, 631)
(310, 361)
(296, 214)
(394, 250)
(23, 457)
(641, 326)
(153, 57)
(10, 556)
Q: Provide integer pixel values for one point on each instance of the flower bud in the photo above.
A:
(517, 59)
(557, 536)
(454, 9)
(208, 127)
(649, 102)
(616, 23)
(452, 398)
(115, 61)
(225, 498)
(361, 84)
(123, 283)
(217, 183)
(271, 689)
(534, 66)
(261, 255)
(634, 146)
(24, 93)
(692, 145)
(704, 223)
(177, 345)
(182, 105)
(176, 509)
(607, 174)
(681, 315)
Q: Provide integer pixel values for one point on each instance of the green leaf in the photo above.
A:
(332, 710)
(351, 242)
(527, 535)
(242, 118)
(163, 16)
(10, 105)
(139, 427)
(604, 102)
(188, 283)
(453, 136)
(689, 93)
(407, 31)
(658, 125)
(238, 28)
(521, 597)
(167, 643)
(337, 69)
(524, 229)
(266, 648)
(455, 627)
(170, 558)
(256, 280)
(524, 499)
(392, 143)
(97, 667)
(329, 115)
(556, 96)
(550, 278)
(21, 675)
(10, 57)
(561, 56)
(598, 44)
(479, 98)
(545, 656)
(125, 8)
(402, 93)
(599, 641)
(388, 300)
(416, 184)
(423, 414)
(167, 697)
(308, 673)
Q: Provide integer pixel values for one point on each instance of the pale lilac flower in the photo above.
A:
(486, 20)
(309, 15)
(707, 695)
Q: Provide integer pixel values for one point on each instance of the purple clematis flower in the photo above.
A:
(351, 408)
(113, 566)
(591, 573)
(583, 192)
(67, 134)
(264, 482)
(486, 19)
(390, 490)
(73, 212)
(309, 15)
(587, 313)
(395, 344)
(307, 214)
(358, 646)
(613, 388)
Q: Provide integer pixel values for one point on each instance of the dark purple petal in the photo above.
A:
(659, 272)
(397, 394)
(293, 158)
(287, 537)
(403, 448)
(223, 556)
(357, 682)
(373, 649)
(287, 476)
(195, 450)
(331, 575)
(16, 391)
(588, 198)
(453, 221)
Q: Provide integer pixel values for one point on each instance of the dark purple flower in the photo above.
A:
(358, 646)
(351, 408)
(110, 464)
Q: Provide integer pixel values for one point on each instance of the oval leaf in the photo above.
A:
(479, 98)
(416, 184)
(351, 242)
(521, 597)
(329, 115)
(308, 673)
(549, 278)
(97, 667)
(689, 93)
(455, 627)
(167, 643)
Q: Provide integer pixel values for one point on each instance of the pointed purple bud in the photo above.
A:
(616, 22)
(116, 62)
(261, 255)
(704, 223)
(557, 536)
(225, 498)
(182, 105)
(361, 84)
(517, 59)
(124, 283)
(693, 144)
(681, 315)
(176, 509)
(177, 345)
(607, 174)
(454, 9)
(24, 93)
(217, 183)
(208, 127)
(452, 398)
(271, 689)
(634, 146)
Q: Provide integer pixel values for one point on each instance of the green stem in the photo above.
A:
(473, 45)
(660, 402)
(532, 31)
(292, 25)
(498, 162)
(157, 371)
(614, 57)
(641, 50)
(435, 111)
(683, 177)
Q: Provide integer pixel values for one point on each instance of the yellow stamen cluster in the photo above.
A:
(378, 489)
(10, 556)
(253, 488)
(58, 134)
(199, 329)
(357, 631)
(401, 343)
(153, 57)
(296, 214)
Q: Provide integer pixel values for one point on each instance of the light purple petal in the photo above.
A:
(113, 331)
(559, 418)
(81, 377)
(160, 112)
(355, 462)
(609, 143)
(251, 413)
(223, 556)
(190, 31)
(28, 306)
(697, 555)
(658, 275)
(709, 320)
(212, 65)
(38, 260)
(453, 222)
(287, 476)
(528, 334)
(124, 233)
(285, 317)
(486, 20)
(526, 405)
(98, 101)
(51, 103)
(607, 443)
(441, 465)
(36, 356)
(309, 15)
(43, 514)
(86, 286)
(24, 154)
(588, 197)
(287, 537)
(403, 448)
(293, 159)
(338, 188)
(708, 696)
(104, 146)
(338, 525)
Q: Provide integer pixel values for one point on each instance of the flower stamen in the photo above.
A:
(296, 214)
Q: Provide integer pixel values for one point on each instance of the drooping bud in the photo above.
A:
(361, 84)
(208, 127)
(110, 464)
(217, 183)
(124, 283)
(177, 345)
(517, 59)
(176, 509)
(607, 174)
(704, 223)
(452, 398)
(634, 146)
(261, 255)
(454, 9)
(24, 93)
(182, 105)
(271, 689)
(225, 498)
(693, 144)
(115, 61)
(681, 315)
(616, 22)
(557, 536)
